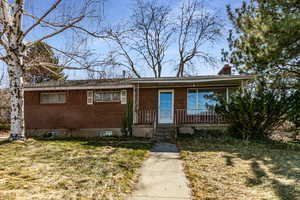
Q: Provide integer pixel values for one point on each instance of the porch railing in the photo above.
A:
(146, 116)
(183, 116)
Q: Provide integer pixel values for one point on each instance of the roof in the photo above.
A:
(129, 82)
(82, 83)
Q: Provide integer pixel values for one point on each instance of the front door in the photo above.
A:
(165, 106)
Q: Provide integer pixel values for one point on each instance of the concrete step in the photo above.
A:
(162, 139)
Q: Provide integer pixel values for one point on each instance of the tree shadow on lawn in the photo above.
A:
(280, 162)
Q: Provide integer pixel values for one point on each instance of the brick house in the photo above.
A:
(91, 108)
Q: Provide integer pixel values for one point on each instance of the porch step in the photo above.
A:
(165, 133)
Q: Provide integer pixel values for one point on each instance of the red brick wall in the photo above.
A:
(149, 98)
(74, 114)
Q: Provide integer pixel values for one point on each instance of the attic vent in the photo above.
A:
(124, 97)
(105, 133)
(90, 97)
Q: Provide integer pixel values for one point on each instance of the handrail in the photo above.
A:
(199, 116)
(182, 116)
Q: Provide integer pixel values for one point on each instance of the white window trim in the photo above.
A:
(47, 93)
(107, 92)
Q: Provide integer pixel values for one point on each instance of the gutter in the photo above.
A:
(192, 81)
(78, 88)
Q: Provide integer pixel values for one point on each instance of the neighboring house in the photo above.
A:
(89, 108)
(4, 106)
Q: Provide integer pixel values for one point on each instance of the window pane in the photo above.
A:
(200, 101)
(208, 99)
(48, 98)
(116, 96)
(192, 102)
(107, 96)
(98, 96)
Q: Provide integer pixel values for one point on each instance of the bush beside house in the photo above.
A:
(255, 113)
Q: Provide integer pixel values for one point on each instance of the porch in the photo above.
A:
(166, 105)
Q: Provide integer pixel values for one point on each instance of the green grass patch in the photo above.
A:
(70, 169)
(227, 168)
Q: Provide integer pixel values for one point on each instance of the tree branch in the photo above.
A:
(70, 25)
(42, 17)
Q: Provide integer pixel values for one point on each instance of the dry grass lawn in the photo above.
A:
(232, 169)
(56, 169)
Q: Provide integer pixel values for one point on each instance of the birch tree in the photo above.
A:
(15, 42)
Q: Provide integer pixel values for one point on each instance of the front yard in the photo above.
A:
(52, 169)
(233, 169)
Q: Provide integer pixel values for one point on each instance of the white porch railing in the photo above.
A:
(146, 116)
(183, 116)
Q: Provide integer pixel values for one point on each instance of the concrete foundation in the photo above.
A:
(146, 131)
(189, 128)
(76, 133)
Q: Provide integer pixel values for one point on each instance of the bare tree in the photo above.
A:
(196, 26)
(151, 23)
(15, 35)
(144, 40)
(125, 54)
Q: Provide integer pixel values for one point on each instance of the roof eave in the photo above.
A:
(194, 80)
(78, 87)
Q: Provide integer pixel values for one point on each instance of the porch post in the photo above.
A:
(133, 105)
(243, 86)
(227, 95)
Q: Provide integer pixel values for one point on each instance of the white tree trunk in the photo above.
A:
(17, 131)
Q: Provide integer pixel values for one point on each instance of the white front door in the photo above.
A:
(165, 106)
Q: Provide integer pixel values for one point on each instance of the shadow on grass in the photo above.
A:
(281, 160)
(228, 160)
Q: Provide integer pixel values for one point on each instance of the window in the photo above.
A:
(52, 98)
(107, 96)
(105, 134)
(199, 100)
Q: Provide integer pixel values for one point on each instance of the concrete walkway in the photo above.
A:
(162, 176)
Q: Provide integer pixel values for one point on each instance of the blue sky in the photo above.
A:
(116, 11)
